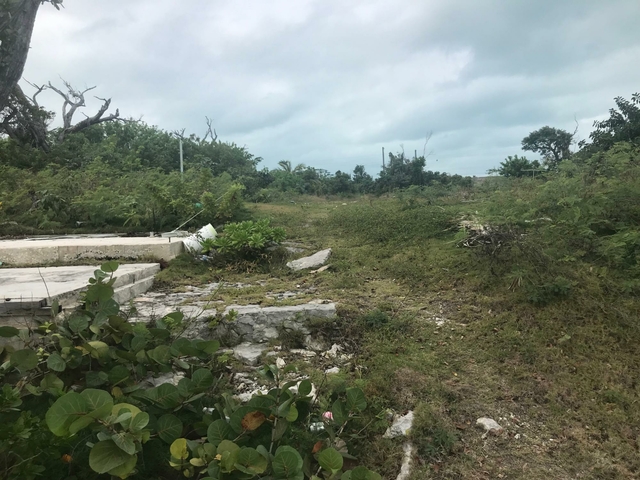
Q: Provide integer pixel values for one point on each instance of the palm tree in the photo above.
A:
(285, 165)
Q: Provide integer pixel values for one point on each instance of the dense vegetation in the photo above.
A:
(549, 249)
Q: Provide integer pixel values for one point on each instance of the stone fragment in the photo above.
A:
(316, 260)
(489, 425)
(332, 370)
(257, 324)
(248, 352)
(400, 427)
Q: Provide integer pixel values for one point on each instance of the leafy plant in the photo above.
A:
(248, 239)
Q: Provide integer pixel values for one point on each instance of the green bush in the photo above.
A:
(249, 239)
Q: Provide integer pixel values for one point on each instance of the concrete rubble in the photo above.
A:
(257, 324)
(316, 260)
(489, 425)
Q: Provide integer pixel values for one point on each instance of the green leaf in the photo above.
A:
(100, 292)
(109, 267)
(169, 428)
(179, 449)
(125, 442)
(165, 395)
(208, 346)
(118, 374)
(330, 460)
(78, 323)
(51, 381)
(218, 431)
(124, 470)
(292, 416)
(95, 379)
(356, 401)
(202, 379)
(339, 412)
(138, 343)
(251, 461)
(80, 423)
(161, 354)
(106, 456)
(96, 399)
(25, 359)
(287, 463)
(139, 422)
(280, 429)
(229, 452)
(304, 388)
(186, 387)
(65, 411)
(7, 332)
(56, 363)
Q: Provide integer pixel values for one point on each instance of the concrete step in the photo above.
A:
(33, 289)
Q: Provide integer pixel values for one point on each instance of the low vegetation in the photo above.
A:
(515, 299)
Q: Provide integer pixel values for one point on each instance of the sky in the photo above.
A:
(329, 83)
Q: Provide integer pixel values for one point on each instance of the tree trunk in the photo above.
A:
(17, 18)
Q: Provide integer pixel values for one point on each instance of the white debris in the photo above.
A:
(280, 363)
(489, 425)
(400, 427)
(316, 260)
(405, 469)
(333, 351)
(332, 370)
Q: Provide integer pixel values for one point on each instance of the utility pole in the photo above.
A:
(415, 154)
(181, 160)
(382, 158)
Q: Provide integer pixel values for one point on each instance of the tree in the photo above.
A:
(25, 121)
(17, 18)
(552, 143)
(362, 180)
(516, 167)
(623, 125)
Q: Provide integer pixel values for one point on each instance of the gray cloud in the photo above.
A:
(328, 83)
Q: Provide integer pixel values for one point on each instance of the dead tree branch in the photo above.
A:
(73, 100)
(211, 132)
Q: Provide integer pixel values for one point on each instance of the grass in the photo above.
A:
(435, 331)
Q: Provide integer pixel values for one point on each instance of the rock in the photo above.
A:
(280, 363)
(257, 325)
(248, 352)
(489, 425)
(316, 260)
(333, 351)
(302, 352)
(400, 427)
(332, 370)
(321, 269)
(294, 249)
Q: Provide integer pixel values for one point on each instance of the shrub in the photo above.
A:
(249, 239)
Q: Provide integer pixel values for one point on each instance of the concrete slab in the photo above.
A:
(45, 251)
(33, 288)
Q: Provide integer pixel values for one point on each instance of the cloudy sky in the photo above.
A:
(328, 83)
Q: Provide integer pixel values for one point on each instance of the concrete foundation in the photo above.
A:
(47, 251)
(30, 292)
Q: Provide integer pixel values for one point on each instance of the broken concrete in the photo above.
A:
(256, 324)
(48, 250)
(400, 427)
(249, 353)
(316, 260)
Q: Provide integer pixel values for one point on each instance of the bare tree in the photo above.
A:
(73, 100)
(211, 132)
(17, 18)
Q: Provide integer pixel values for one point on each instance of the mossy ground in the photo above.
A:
(455, 344)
